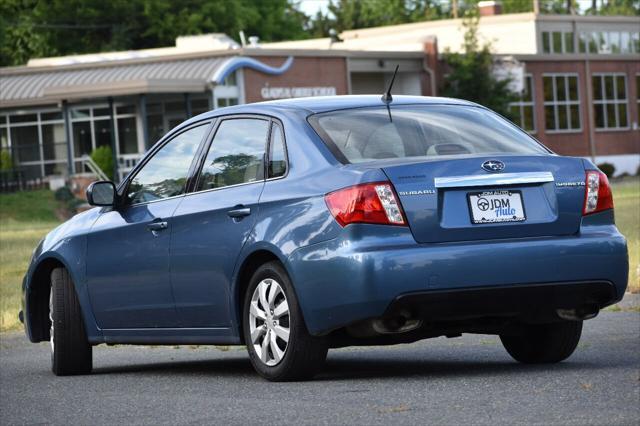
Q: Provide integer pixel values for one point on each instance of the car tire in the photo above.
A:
(544, 343)
(303, 354)
(71, 352)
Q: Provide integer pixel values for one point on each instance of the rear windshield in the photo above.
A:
(366, 134)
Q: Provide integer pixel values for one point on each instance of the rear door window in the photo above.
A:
(236, 154)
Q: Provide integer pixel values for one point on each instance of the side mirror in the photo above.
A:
(101, 193)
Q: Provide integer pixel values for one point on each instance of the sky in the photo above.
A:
(310, 7)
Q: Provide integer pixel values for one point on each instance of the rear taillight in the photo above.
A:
(597, 195)
(367, 203)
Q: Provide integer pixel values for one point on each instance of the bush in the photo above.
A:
(6, 162)
(608, 169)
(63, 194)
(103, 157)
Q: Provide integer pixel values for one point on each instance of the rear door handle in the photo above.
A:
(157, 226)
(239, 212)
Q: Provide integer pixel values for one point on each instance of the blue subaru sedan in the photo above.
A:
(300, 225)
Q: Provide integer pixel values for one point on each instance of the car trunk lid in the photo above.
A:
(456, 199)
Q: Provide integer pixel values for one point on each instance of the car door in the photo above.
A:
(213, 223)
(128, 247)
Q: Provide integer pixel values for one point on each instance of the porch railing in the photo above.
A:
(88, 163)
(126, 162)
(16, 180)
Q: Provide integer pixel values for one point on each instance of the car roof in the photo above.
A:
(329, 103)
(313, 105)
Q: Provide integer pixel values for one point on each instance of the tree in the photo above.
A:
(320, 25)
(271, 20)
(557, 7)
(620, 7)
(6, 162)
(36, 28)
(517, 6)
(352, 14)
(471, 73)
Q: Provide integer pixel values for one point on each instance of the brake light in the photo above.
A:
(367, 203)
(597, 195)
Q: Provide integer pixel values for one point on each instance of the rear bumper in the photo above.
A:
(370, 269)
(527, 303)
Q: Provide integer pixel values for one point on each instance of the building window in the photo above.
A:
(557, 42)
(610, 101)
(165, 113)
(605, 42)
(230, 80)
(91, 128)
(523, 110)
(35, 140)
(561, 102)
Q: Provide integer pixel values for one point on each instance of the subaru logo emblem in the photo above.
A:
(493, 166)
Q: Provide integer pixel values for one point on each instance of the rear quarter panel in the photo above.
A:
(292, 212)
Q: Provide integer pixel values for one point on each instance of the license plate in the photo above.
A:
(496, 207)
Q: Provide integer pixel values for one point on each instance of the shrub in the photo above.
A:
(103, 157)
(63, 194)
(608, 169)
(6, 162)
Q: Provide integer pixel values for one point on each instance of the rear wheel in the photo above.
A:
(71, 352)
(544, 343)
(279, 345)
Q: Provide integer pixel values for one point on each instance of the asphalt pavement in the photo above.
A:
(467, 380)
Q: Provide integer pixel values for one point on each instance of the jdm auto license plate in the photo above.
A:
(496, 207)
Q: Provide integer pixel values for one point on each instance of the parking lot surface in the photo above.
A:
(467, 380)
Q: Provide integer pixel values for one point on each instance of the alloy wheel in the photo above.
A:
(269, 321)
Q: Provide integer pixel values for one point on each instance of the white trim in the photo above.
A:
(493, 179)
(40, 145)
(140, 130)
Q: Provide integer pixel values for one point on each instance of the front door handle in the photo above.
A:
(239, 212)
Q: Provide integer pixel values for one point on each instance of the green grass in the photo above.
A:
(626, 199)
(27, 216)
(28, 207)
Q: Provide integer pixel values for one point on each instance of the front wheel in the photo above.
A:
(71, 352)
(279, 345)
(544, 343)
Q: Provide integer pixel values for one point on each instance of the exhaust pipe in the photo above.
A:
(579, 314)
(401, 323)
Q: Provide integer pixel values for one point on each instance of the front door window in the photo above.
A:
(166, 173)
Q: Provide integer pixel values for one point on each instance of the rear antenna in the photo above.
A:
(386, 97)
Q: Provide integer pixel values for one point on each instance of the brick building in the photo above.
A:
(579, 76)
